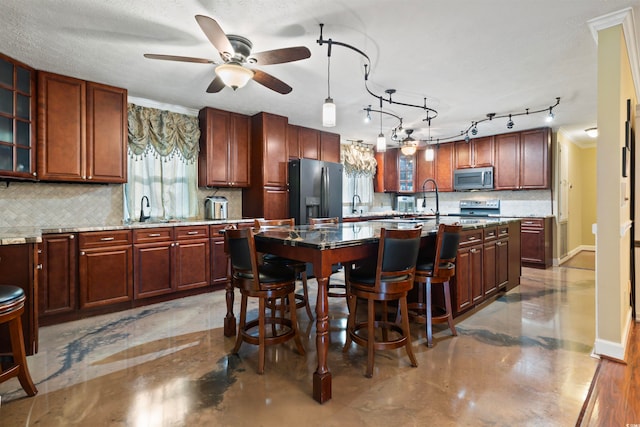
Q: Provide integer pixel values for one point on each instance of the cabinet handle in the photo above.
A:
(71, 237)
(499, 243)
(154, 235)
(191, 233)
(471, 238)
(177, 244)
(39, 251)
(83, 253)
(107, 239)
(39, 266)
(473, 251)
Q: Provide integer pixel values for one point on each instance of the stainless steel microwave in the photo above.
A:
(473, 179)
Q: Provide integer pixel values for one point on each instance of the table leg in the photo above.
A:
(322, 376)
(229, 319)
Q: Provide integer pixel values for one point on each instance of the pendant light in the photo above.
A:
(428, 153)
(381, 142)
(328, 108)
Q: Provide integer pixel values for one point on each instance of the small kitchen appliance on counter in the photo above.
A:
(406, 204)
(216, 207)
(489, 207)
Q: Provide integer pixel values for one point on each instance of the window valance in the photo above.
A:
(164, 133)
(358, 160)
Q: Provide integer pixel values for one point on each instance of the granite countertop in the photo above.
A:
(21, 235)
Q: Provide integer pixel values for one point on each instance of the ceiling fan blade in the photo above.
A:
(178, 58)
(214, 33)
(268, 81)
(216, 85)
(279, 56)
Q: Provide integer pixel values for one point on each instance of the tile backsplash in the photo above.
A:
(52, 204)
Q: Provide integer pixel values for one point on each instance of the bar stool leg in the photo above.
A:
(428, 312)
(17, 346)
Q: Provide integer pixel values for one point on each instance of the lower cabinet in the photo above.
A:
(536, 242)
(105, 270)
(19, 267)
(170, 259)
(58, 279)
(468, 279)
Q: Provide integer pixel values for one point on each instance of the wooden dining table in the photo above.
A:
(323, 247)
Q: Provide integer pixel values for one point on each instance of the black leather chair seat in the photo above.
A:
(10, 293)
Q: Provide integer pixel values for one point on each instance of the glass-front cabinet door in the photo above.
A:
(17, 113)
(406, 173)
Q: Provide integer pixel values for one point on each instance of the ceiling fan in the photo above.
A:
(235, 52)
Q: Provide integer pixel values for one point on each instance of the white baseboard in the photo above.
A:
(572, 253)
(614, 350)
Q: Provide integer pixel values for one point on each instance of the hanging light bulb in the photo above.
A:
(510, 123)
(328, 108)
(429, 154)
(550, 116)
(381, 142)
(474, 129)
(367, 118)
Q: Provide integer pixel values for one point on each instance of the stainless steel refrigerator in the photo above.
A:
(315, 190)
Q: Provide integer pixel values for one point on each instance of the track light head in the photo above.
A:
(510, 123)
(474, 130)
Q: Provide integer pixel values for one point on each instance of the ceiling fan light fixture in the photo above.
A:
(234, 75)
(592, 132)
(408, 150)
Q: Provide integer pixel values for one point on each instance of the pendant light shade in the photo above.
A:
(328, 113)
(234, 75)
(408, 150)
(381, 143)
(429, 154)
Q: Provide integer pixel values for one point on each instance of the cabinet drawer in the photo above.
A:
(490, 233)
(470, 237)
(149, 235)
(503, 231)
(532, 223)
(192, 232)
(214, 230)
(97, 239)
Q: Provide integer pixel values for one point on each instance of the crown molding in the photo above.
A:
(625, 18)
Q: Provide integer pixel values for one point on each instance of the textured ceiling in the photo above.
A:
(466, 57)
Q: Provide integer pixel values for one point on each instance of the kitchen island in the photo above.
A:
(347, 242)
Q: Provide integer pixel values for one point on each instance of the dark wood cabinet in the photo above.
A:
(386, 179)
(267, 197)
(444, 158)
(192, 257)
(105, 268)
(308, 143)
(536, 242)
(425, 169)
(168, 259)
(469, 269)
(152, 263)
(19, 267)
(58, 278)
(330, 147)
(17, 119)
(219, 264)
(478, 152)
(522, 160)
(82, 130)
(223, 160)
(489, 261)
(503, 261)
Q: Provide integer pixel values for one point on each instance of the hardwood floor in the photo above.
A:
(614, 397)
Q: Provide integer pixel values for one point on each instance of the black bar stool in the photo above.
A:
(11, 308)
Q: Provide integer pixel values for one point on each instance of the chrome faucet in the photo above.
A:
(353, 203)
(144, 217)
(424, 198)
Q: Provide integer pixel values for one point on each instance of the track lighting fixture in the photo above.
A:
(367, 118)
(474, 129)
(510, 123)
(550, 116)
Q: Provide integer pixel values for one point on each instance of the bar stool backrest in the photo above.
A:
(447, 243)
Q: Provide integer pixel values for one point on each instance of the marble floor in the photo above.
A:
(523, 360)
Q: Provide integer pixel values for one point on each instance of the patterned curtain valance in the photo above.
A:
(164, 132)
(358, 160)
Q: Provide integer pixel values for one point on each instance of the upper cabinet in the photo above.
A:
(17, 118)
(82, 130)
(330, 147)
(386, 179)
(406, 173)
(306, 143)
(476, 153)
(522, 160)
(223, 160)
(444, 158)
